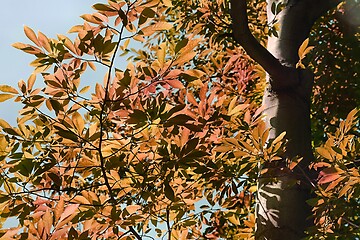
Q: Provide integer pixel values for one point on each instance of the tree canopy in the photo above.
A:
(170, 146)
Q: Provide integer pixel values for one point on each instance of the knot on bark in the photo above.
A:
(292, 80)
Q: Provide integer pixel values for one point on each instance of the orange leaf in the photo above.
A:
(159, 26)
(175, 83)
(44, 41)
(31, 35)
(67, 215)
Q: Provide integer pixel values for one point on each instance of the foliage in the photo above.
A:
(336, 47)
(336, 207)
(168, 146)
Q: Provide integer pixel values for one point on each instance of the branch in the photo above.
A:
(132, 230)
(242, 34)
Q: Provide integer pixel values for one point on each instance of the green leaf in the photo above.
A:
(169, 192)
(180, 119)
(66, 134)
(189, 146)
(181, 44)
(103, 7)
(137, 116)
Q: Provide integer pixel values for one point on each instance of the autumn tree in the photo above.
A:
(175, 144)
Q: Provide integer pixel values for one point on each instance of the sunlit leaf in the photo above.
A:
(8, 89)
(5, 96)
(31, 35)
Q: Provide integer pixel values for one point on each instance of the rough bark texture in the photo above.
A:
(282, 212)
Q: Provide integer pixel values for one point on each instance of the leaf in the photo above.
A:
(161, 53)
(167, 3)
(81, 200)
(84, 89)
(4, 97)
(8, 89)
(159, 26)
(184, 58)
(304, 49)
(68, 43)
(234, 220)
(10, 233)
(324, 153)
(175, 83)
(169, 192)
(279, 138)
(103, 7)
(59, 209)
(67, 215)
(76, 28)
(78, 122)
(31, 35)
(328, 175)
(180, 45)
(31, 81)
(133, 208)
(238, 109)
(44, 41)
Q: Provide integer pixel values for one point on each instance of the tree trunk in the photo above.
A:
(282, 211)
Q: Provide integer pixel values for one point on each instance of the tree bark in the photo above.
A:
(282, 211)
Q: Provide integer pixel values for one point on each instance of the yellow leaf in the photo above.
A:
(90, 18)
(84, 89)
(239, 154)
(161, 54)
(238, 109)
(193, 43)
(31, 81)
(81, 200)
(303, 47)
(194, 73)
(5, 96)
(76, 28)
(167, 3)
(223, 148)
(68, 43)
(233, 219)
(249, 224)
(253, 189)
(324, 153)
(279, 138)
(92, 66)
(8, 89)
(31, 35)
(78, 122)
(4, 124)
(184, 58)
(232, 104)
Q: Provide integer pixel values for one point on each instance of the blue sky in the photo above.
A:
(48, 16)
